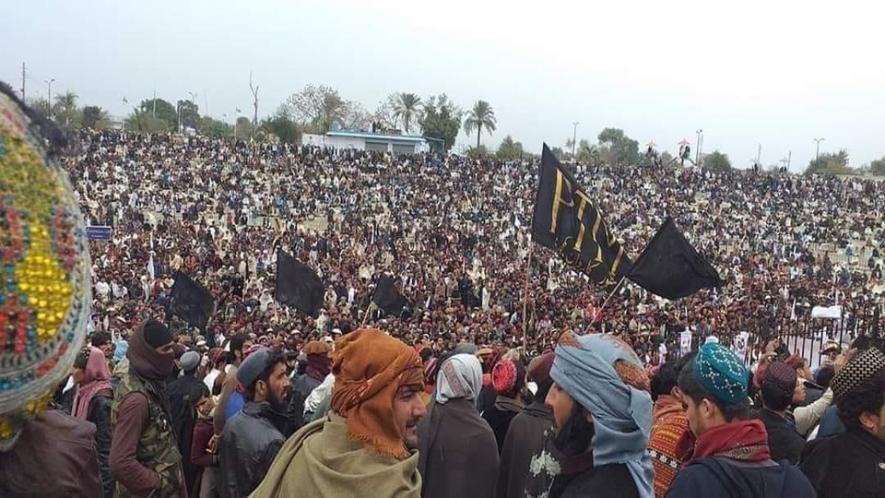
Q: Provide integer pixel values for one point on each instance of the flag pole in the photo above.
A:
(525, 300)
(612, 293)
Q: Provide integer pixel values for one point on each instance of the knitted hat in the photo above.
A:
(859, 370)
(156, 334)
(721, 373)
(45, 272)
(539, 368)
(508, 377)
(779, 377)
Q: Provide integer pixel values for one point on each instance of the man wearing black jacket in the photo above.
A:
(778, 384)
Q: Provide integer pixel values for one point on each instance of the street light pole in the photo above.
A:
(574, 141)
(49, 94)
(697, 149)
(817, 149)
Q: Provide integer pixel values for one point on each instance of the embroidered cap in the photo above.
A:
(721, 373)
(859, 370)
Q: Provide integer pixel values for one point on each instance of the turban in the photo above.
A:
(459, 377)
(369, 368)
(584, 368)
(45, 272)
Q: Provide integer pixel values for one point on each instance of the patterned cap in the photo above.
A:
(721, 373)
(859, 370)
(45, 287)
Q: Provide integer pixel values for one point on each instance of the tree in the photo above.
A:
(406, 108)
(355, 116)
(717, 161)
(619, 148)
(441, 119)
(215, 128)
(282, 126)
(317, 107)
(478, 151)
(587, 154)
(190, 114)
(481, 116)
(162, 110)
(143, 120)
(243, 128)
(830, 164)
(509, 149)
(41, 105)
(94, 117)
(65, 108)
(877, 167)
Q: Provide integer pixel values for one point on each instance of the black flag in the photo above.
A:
(190, 301)
(388, 298)
(297, 285)
(567, 221)
(670, 267)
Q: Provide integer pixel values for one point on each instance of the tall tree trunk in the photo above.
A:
(478, 131)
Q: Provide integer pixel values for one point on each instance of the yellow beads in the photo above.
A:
(46, 284)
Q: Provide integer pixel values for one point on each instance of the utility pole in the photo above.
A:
(759, 154)
(574, 141)
(817, 149)
(23, 81)
(155, 104)
(254, 91)
(49, 94)
(789, 159)
(697, 151)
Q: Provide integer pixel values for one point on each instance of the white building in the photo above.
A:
(379, 142)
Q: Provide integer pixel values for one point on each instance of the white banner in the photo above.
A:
(831, 312)
(740, 344)
(685, 342)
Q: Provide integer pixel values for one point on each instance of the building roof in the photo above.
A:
(377, 136)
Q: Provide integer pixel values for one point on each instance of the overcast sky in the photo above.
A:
(770, 72)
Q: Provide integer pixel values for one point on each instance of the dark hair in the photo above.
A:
(99, 339)
(775, 397)
(824, 376)
(82, 358)
(867, 397)
(543, 389)
(425, 354)
(273, 359)
(668, 376)
(690, 387)
(236, 343)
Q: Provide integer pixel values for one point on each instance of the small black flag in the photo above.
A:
(567, 221)
(190, 301)
(388, 298)
(297, 285)
(670, 267)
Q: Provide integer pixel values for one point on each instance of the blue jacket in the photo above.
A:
(726, 478)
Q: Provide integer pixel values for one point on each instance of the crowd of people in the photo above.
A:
(505, 376)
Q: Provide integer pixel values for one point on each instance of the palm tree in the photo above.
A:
(481, 116)
(66, 105)
(405, 107)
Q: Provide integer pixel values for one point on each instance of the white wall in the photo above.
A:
(336, 142)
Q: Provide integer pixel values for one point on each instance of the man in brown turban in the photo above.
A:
(366, 444)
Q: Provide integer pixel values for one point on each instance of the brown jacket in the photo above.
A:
(54, 456)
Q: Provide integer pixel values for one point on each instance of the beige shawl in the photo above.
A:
(320, 460)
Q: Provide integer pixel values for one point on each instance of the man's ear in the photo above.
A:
(869, 421)
(707, 408)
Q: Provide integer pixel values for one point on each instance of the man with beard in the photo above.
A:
(366, 445)
(252, 437)
(602, 415)
(144, 457)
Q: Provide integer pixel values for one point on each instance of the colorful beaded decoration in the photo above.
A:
(45, 286)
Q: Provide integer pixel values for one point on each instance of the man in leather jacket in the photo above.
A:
(252, 438)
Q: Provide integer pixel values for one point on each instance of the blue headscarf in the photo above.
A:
(584, 367)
